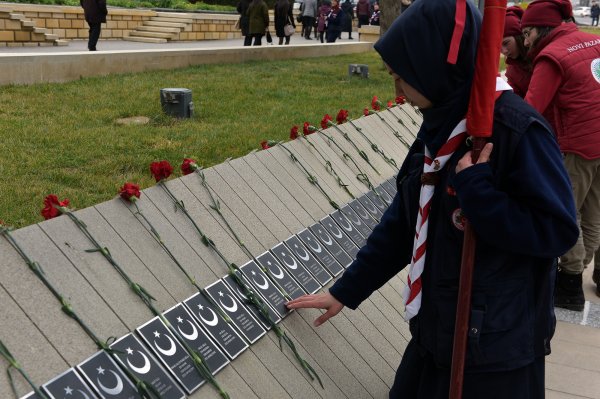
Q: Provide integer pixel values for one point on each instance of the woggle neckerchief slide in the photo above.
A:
(480, 116)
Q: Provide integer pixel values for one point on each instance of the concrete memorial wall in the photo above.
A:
(288, 237)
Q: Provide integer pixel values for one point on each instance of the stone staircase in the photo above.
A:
(25, 31)
(161, 28)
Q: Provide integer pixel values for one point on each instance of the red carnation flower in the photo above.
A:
(308, 129)
(130, 191)
(265, 145)
(375, 103)
(390, 104)
(51, 205)
(400, 100)
(294, 132)
(188, 166)
(366, 112)
(161, 170)
(325, 122)
(342, 116)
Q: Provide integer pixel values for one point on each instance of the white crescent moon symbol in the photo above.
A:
(360, 213)
(371, 207)
(306, 257)
(169, 352)
(293, 266)
(141, 370)
(381, 205)
(112, 391)
(194, 334)
(342, 220)
(327, 241)
(264, 286)
(317, 249)
(230, 309)
(212, 322)
(332, 227)
(279, 275)
(85, 396)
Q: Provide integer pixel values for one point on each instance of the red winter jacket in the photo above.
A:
(363, 7)
(518, 75)
(575, 58)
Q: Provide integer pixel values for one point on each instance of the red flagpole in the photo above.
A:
(480, 116)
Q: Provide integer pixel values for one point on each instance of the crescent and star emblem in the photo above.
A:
(342, 220)
(167, 352)
(83, 394)
(326, 240)
(264, 285)
(293, 266)
(231, 309)
(213, 322)
(333, 228)
(279, 275)
(317, 249)
(371, 207)
(306, 257)
(140, 370)
(360, 213)
(193, 335)
(111, 391)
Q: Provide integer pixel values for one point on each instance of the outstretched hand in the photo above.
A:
(318, 301)
(466, 161)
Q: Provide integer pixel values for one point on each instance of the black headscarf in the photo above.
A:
(416, 48)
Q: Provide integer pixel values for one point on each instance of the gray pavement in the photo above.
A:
(123, 45)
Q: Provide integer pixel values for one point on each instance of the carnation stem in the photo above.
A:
(400, 121)
(144, 389)
(236, 273)
(199, 363)
(329, 167)
(394, 131)
(374, 146)
(14, 364)
(362, 154)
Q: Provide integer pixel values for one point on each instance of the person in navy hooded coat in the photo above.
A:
(517, 198)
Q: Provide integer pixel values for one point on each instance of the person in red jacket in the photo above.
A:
(518, 65)
(566, 82)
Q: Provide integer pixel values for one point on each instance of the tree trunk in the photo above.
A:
(390, 9)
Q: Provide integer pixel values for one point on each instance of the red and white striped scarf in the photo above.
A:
(413, 291)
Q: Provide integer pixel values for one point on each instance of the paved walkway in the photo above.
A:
(122, 45)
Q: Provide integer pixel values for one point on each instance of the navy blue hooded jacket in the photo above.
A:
(520, 205)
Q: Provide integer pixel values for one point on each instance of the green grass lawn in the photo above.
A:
(63, 139)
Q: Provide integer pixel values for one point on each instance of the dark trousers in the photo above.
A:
(287, 40)
(332, 35)
(418, 377)
(308, 23)
(595, 21)
(363, 20)
(257, 39)
(94, 35)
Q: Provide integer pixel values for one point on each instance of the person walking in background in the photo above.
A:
(374, 20)
(309, 14)
(363, 12)
(518, 65)
(566, 83)
(517, 198)
(283, 16)
(258, 22)
(324, 11)
(348, 10)
(595, 13)
(335, 19)
(242, 9)
(95, 13)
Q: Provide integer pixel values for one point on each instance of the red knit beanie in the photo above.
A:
(512, 22)
(549, 13)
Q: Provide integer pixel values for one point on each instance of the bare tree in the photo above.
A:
(390, 9)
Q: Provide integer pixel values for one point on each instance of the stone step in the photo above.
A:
(158, 29)
(144, 39)
(14, 15)
(156, 35)
(174, 14)
(164, 24)
(61, 42)
(27, 24)
(175, 20)
(51, 36)
(39, 30)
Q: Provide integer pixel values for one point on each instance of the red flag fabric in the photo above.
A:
(480, 114)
